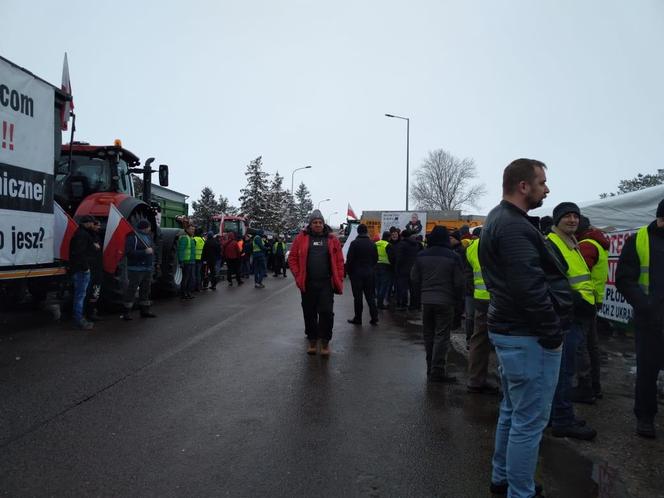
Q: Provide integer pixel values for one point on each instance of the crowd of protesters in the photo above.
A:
(528, 288)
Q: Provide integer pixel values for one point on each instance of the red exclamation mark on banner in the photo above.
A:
(4, 134)
(11, 136)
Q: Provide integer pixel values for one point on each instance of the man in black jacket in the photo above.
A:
(83, 251)
(140, 250)
(640, 278)
(438, 275)
(360, 265)
(211, 256)
(405, 253)
(529, 297)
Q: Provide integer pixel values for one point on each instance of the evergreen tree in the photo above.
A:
(291, 212)
(206, 207)
(225, 206)
(278, 206)
(303, 204)
(253, 201)
(639, 182)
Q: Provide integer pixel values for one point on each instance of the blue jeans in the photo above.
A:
(81, 281)
(562, 412)
(260, 268)
(529, 374)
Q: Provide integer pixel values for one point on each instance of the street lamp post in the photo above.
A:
(324, 200)
(292, 178)
(329, 218)
(407, 149)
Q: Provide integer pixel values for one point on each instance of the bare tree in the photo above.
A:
(444, 182)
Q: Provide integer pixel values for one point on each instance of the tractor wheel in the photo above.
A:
(169, 279)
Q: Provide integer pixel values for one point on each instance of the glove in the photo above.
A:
(550, 342)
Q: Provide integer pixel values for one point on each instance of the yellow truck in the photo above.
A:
(377, 221)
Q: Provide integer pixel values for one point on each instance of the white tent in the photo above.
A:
(622, 212)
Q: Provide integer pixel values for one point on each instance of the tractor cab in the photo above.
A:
(92, 170)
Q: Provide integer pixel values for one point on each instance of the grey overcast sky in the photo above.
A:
(206, 86)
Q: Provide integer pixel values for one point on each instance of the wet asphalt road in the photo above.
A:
(217, 397)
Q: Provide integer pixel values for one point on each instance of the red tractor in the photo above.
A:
(89, 178)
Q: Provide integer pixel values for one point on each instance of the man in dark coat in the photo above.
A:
(437, 273)
(96, 277)
(211, 256)
(83, 251)
(140, 249)
(405, 253)
(360, 266)
(640, 278)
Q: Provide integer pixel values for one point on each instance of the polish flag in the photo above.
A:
(351, 213)
(117, 229)
(66, 88)
(63, 230)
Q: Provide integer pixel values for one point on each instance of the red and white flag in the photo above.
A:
(117, 229)
(66, 88)
(351, 213)
(63, 230)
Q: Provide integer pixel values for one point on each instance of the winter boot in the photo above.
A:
(126, 316)
(146, 313)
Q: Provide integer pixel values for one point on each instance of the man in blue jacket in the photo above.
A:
(139, 249)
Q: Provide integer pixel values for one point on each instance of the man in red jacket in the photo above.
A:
(232, 255)
(317, 264)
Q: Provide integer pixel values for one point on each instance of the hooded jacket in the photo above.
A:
(437, 273)
(232, 248)
(588, 251)
(211, 251)
(297, 259)
(136, 245)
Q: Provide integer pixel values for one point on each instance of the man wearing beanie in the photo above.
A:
(566, 222)
(317, 263)
(529, 293)
(140, 249)
(437, 274)
(360, 266)
(83, 250)
(640, 278)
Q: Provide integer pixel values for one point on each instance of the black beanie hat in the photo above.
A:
(438, 236)
(584, 224)
(660, 209)
(362, 228)
(562, 209)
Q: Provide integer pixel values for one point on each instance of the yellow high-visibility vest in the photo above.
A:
(643, 252)
(578, 274)
(200, 242)
(381, 246)
(600, 271)
(472, 255)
